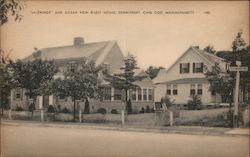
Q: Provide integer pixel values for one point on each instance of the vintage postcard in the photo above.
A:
(124, 78)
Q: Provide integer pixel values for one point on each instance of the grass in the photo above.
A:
(211, 117)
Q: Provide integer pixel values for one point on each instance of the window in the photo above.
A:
(150, 94)
(134, 94)
(106, 93)
(168, 89)
(199, 91)
(118, 94)
(72, 67)
(139, 94)
(197, 67)
(192, 89)
(175, 91)
(18, 93)
(144, 94)
(184, 68)
(62, 98)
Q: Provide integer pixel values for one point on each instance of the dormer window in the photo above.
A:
(197, 67)
(184, 68)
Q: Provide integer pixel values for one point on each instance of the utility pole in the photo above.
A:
(238, 68)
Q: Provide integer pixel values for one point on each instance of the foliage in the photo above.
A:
(195, 103)
(82, 83)
(18, 108)
(166, 99)
(34, 76)
(14, 7)
(153, 71)
(241, 53)
(51, 109)
(142, 110)
(210, 49)
(5, 79)
(114, 111)
(220, 84)
(65, 110)
(102, 111)
(126, 80)
(148, 109)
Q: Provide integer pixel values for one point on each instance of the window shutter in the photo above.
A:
(188, 67)
(14, 94)
(21, 94)
(202, 67)
(193, 67)
(180, 68)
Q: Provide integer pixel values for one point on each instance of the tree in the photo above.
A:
(210, 49)
(153, 71)
(126, 80)
(14, 7)
(5, 80)
(221, 84)
(79, 84)
(34, 76)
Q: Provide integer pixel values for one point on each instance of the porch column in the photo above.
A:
(40, 102)
(11, 98)
(136, 95)
(147, 94)
(51, 100)
(112, 93)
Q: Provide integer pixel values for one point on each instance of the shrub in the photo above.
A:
(167, 101)
(18, 108)
(65, 110)
(51, 109)
(102, 111)
(114, 111)
(147, 109)
(195, 103)
(152, 109)
(142, 110)
(32, 107)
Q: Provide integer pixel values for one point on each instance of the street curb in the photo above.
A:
(170, 130)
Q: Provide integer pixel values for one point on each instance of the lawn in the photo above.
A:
(209, 117)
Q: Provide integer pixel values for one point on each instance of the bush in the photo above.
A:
(114, 111)
(32, 107)
(147, 109)
(102, 111)
(51, 109)
(18, 108)
(195, 103)
(142, 110)
(65, 110)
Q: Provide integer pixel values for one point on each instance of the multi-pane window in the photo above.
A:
(62, 98)
(134, 94)
(192, 89)
(118, 94)
(175, 90)
(150, 94)
(197, 67)
(199, 91)
(139, 94)
(72, 67)
(18, 93)
(168, 89)
(144, 94)
(106, 93)
(184, 68)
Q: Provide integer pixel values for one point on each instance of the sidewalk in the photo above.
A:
(190, 130)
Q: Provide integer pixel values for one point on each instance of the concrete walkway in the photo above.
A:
(191, 130)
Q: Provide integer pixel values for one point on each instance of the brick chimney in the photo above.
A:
(78, 41)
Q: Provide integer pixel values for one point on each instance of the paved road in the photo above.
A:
(29, 140)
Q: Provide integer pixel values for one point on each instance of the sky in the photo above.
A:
(155, 39)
